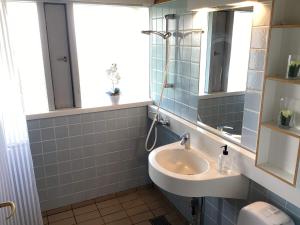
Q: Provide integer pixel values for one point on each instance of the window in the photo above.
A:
(24, 34)
(111, 34)
(48, 47)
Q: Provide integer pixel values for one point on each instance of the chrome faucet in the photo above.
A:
(163, 120)
(221, 128)
(159, 118)
(185, 140)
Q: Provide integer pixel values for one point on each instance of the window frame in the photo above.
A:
(72, 45)
(73, 53)
(46, 58)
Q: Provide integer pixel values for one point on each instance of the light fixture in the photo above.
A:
(215, 5)
(206, 9)
(243, 4)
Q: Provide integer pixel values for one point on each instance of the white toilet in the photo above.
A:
(262, 213)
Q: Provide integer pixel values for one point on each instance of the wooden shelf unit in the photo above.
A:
(283, 42)
(273, 126)
(283, 80)
(279, 152)
(278, 149)
(285, 26)
(277, 172)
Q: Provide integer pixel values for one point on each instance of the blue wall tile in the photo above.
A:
(181, 99)
(69, 152)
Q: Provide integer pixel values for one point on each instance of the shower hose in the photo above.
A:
(155, 118)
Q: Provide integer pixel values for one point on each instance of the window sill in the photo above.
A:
(220, 94)
(123, 104)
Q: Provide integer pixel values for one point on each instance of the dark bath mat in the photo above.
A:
(160, 220)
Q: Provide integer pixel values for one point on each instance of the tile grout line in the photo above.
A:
(116, 197)
(130, 219)
(99, 211)
(73, 215)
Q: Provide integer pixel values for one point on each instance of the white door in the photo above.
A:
(19, 201)
(58, 44)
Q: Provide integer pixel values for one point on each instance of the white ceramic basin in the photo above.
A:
(192, 173)
(182, 161)
(236, 136)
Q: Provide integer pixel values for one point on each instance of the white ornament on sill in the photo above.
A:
(115, 77)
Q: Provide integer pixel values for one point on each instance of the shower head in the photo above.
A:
(164, 35)
(170, 16)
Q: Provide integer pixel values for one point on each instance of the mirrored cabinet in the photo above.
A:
(224, 69)
(231, 76)
(278, 148)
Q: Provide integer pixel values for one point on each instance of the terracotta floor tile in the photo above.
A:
(110, 210)
(114, 216)
(59, 210)
(105, 197)
(107, 203)
(60, 216)
(150, 191)
(85, 209)
(137, 210)
(151, 198)
(68, 221)
(131, 204)
(82, 204)
(121, 222)
(126, 192)
(87, 216)
(128, 197)
(141, 217)
(156, 204)
(45, 220)
(159, 211)
(98, 221)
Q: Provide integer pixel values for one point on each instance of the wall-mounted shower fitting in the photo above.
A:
(166, 83)
(165, 35)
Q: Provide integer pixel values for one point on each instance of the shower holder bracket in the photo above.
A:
(168, 85)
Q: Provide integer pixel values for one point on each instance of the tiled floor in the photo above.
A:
(135, 206)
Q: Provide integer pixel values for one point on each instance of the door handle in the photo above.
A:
(12, 207)
(64, 59)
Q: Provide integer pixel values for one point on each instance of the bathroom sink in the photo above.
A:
(185, 162)
(237, 136)
(193, 173)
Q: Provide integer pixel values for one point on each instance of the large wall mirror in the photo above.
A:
(225, 48)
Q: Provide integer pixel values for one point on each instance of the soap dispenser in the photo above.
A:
(224, 162)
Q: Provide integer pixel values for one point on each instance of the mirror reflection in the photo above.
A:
(224, 66)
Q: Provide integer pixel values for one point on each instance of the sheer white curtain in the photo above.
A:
(17, 181)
